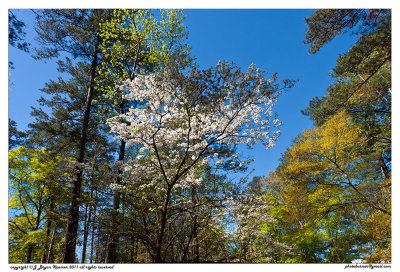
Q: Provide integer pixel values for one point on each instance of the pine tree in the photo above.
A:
(74, 32)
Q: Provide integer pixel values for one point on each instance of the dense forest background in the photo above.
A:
(129, 156)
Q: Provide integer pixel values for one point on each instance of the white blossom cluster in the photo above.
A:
(182, 119)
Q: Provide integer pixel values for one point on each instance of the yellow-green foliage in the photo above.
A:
(329, 199)
(29, 196)
(321, 148)
(135, 41)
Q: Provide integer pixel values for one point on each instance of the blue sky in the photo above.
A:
(270, 38)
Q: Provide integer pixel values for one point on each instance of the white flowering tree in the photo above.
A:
(184, 120)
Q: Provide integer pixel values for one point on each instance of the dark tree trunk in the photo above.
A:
(49, 255)
(73, 214)
(113, 244)
(196, 250)
(195, 228)
(86, 229)
(93, 232)
(29, 254)
(163, 221)
(48, 230)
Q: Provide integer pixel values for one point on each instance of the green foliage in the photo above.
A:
(362, 84)
(135, 42)
(36, 190)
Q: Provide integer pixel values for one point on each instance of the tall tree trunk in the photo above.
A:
(49, 259)
(48, 230)
(93, 232)
(86, 229)
(100, 250)
(113, 243)
(196, 248)
(195, 226)
(186, 247)
(193, 234)
(29, 254)
(206, 251)
(113, 240)
(73, 215)
(163, 221)
(43, 259)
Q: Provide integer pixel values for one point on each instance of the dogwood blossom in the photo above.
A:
(186, 122)
(184, 118)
